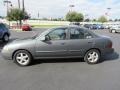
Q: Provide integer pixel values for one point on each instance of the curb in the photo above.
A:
(17, 30)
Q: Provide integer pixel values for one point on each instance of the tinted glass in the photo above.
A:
(57, 34)
(2, 27)
(76, 33)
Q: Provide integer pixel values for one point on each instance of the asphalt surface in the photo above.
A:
(64, 74)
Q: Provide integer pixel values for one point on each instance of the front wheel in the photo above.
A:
(22, 58)
(92, 56)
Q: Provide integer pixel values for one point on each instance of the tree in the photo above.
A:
(116, 20)
(110, 20)
(16, 14)
(102, 19)
(1, 17)
(94, 20)
(87, 20)
(74, 17)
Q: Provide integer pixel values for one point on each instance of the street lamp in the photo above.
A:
(19, 4)
(71, 7)
(108, 13)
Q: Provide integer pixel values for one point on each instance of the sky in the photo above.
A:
(59, 8)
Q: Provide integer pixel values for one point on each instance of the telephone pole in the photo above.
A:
(19, 4)
(7, 2)
(23, 5)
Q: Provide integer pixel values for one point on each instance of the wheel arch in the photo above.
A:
(23, 50)
(6, 34)
(94, 49)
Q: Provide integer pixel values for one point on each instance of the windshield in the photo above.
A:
(35, 36)
(41, 34)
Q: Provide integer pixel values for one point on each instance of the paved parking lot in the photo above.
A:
(65, 74)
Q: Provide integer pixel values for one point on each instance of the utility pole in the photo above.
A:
(19, 4)
(7, 3)
(23, 6)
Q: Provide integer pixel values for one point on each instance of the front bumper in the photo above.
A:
(6, 55)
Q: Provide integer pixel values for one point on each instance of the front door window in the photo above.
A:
(57, 34)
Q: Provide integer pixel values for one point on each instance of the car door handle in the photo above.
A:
(90, 42)
(62, 43)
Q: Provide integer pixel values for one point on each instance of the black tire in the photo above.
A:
(5, 38)
(25, 53)
(110, 31)
(87, 55)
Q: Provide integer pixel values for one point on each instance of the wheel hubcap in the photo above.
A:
(92, 57)
(22, 58)
(113, 31)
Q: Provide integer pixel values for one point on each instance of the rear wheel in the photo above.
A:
(5, 38)
(113, 31)
(92, 56)
(22, 58)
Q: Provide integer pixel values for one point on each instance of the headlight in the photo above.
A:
(5, 48)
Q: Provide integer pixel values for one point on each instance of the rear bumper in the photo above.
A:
(107, 51)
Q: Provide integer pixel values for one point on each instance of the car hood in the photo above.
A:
(21, 40)
(20, 43)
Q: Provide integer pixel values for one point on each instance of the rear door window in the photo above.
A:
(76, 33)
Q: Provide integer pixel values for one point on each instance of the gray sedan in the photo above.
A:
(60, 42)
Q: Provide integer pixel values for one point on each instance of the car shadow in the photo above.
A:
(68, 60)
(2, 45)
(110, 57)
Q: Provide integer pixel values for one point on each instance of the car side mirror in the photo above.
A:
(47, 38)
(42, 39)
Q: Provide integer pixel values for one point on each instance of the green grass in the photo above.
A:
(45, 26)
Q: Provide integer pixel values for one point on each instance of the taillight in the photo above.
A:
(109, 45)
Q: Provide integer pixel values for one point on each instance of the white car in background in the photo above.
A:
(114, 29)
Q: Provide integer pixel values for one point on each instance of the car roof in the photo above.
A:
(70, 26)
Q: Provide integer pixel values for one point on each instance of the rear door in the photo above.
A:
(79, 41)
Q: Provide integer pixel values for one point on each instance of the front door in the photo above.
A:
(54, 47)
